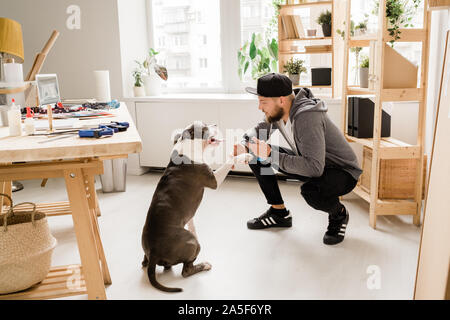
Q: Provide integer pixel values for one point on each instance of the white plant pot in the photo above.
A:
(364, 77)
(152, 85)
(139, 91)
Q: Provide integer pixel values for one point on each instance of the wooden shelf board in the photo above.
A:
(353, 90)
(15, 90)
(310, 86)
(390, 148)
(305, 52)
(55, 285)
(307, 4)
(50, 209)
(404, 94)
(362, 40)
(306, 39)
(388, 206)
(400, 94)
(406, 35)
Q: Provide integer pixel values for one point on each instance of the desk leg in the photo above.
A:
(84, 230)
(93, 204)
(6, 188)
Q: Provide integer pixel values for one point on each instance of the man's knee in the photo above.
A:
(311, 194)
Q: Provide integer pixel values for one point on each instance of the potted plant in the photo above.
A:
(258, 56)
(361, 28)
(138, 89)
(325, 20)
(294, 68)
(364, 72)
(152, 81)
(399, 14)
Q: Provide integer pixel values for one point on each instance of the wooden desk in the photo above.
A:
(77, 161)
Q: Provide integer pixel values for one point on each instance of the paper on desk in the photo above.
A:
(41, 125)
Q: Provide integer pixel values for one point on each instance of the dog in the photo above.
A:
(179, 192)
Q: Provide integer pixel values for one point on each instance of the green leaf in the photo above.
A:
(246, 67)
(252, 50)
(274, 49)
(274, 66)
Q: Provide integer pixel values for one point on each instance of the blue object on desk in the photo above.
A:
(96, 133)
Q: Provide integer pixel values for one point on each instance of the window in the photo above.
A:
(181, 23)
(203, 63)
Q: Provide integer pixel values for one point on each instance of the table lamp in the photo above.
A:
(11, 42)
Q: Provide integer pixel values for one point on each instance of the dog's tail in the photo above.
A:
(152, 277)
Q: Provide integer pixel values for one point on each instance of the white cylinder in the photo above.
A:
(107, 177)
(102, 86)
(14, 75)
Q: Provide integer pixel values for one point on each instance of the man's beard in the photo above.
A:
(276, 117)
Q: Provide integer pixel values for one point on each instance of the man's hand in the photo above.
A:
(259, 148)
(239, 149)
(242, 158)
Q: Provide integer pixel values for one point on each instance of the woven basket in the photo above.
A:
(26, 247)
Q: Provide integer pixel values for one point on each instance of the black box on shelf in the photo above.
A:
(321, 76)
(360, 118)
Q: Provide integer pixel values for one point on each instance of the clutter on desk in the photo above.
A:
(103, 130)
(82, 111)
(26, 247)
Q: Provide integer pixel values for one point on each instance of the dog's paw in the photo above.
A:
(244, 158)
(206, 266)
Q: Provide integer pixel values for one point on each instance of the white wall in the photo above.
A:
(95, 46)
(133, 39)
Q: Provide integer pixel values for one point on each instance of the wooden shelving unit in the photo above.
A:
(389, 148)
(285, 52)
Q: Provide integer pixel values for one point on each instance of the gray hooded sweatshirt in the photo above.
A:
(319, 144)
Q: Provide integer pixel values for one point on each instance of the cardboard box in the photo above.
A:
(397, 177)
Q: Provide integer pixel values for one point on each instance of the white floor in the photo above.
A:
(271, 264)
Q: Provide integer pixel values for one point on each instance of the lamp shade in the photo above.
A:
(11, 42)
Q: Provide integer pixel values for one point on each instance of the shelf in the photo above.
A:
(307, 4)
(15, 90)
(60, 282)
(306, 52)
(390, 148)
(362, 40)
(306, 39)
(385, 207)
(50, 209)
(389, 95)
(406, 35)
(353, 90)
(310, 86)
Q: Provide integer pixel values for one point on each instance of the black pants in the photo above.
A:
(321, 193)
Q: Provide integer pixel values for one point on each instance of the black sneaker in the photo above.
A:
(336, 229)
(270, 220)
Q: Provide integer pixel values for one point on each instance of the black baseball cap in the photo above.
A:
(272, 85)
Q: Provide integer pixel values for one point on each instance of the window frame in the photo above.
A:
(230, 39)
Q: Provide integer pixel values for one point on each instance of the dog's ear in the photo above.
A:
(177, 137)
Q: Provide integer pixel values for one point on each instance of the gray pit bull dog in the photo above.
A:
(178, 194)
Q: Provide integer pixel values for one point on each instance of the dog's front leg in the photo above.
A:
(221, 173)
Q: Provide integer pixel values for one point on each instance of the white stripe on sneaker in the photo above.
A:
(268, 221)
(265, 224)
(273, 221)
